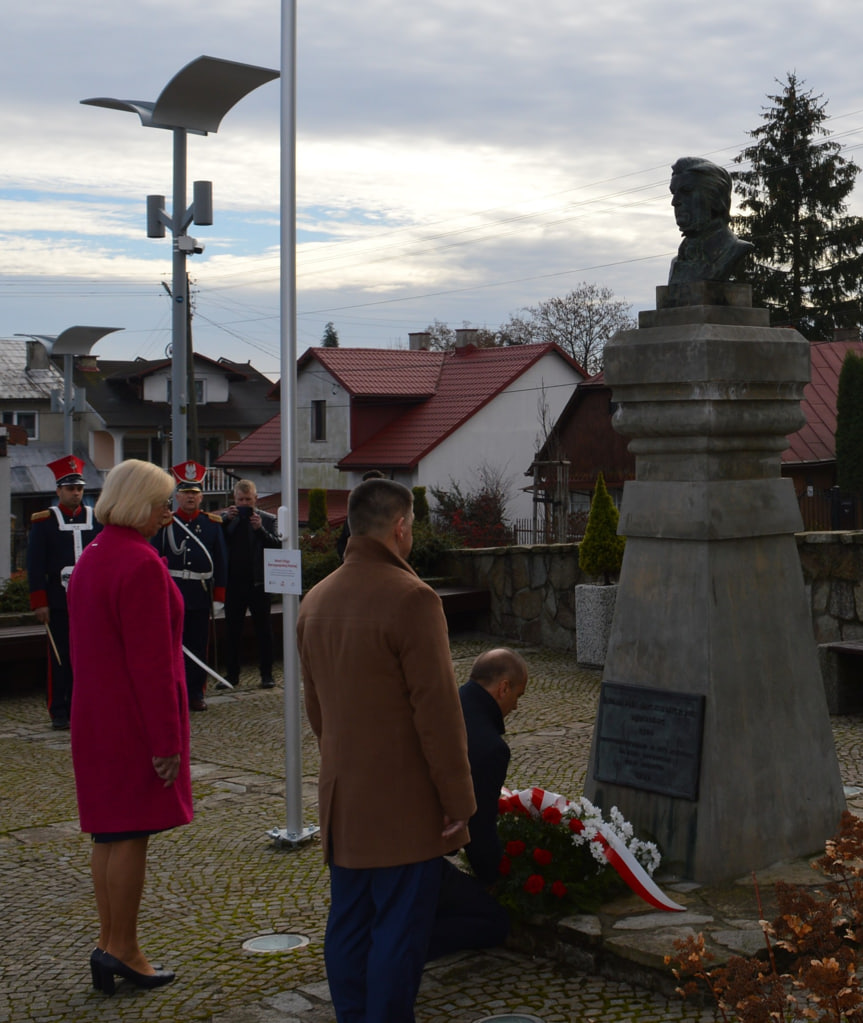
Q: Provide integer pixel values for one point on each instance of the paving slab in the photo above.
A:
(221, 880)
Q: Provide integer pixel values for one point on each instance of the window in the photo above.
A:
(319, 420)
(28, 421)
(200, 391)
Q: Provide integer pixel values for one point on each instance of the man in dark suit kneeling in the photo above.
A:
(468, 916)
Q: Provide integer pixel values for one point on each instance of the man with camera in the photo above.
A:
(248, 532)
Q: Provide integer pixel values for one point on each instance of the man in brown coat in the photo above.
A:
(395, 789)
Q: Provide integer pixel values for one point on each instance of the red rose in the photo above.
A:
(534, 884)
(558, 889)
(575, 824)
(504, 867)
(551, 815)
(542, 857)
(515, 848)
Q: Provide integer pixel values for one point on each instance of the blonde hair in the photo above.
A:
(245, 487)
(132, 489)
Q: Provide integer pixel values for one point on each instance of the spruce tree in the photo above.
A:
(849, 426)
(330, 337)
(808, 258)
(601, 549)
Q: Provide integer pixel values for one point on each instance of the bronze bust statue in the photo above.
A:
(701, 197)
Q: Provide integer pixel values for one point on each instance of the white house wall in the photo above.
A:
(317, 460)
(216, 387)
(503, 436)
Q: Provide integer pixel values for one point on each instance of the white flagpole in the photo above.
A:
(294, 831)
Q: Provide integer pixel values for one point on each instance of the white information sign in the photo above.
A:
(283, 572)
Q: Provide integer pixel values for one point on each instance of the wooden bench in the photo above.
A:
(23, 654)
(842, 671)
(464, 606)
(24, 646)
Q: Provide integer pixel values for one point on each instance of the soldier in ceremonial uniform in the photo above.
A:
(197, 561)
(57, 537)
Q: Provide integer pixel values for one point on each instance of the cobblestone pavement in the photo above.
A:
(220, 881)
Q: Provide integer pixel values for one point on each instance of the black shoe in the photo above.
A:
(267, 682)
(60, 723)
(95, 970)
(199, 704)
(106, 966)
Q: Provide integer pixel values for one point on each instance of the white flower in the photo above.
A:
(598, 853)
(620, 824)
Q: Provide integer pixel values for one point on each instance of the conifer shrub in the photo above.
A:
(600, 553)
(317, 509)
(849, 425)
(421, 504)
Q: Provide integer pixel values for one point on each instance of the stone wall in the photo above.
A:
(833, 573)
(533, 588)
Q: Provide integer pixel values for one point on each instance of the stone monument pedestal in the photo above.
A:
(713, 735)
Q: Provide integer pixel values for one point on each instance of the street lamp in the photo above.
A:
(73, 341)
(194, 101)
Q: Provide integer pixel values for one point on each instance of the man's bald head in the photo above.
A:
(503, 674)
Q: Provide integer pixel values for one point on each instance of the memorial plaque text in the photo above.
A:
(649, 739)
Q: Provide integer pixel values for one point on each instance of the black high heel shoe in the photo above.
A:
(95, 971)
(108, 965)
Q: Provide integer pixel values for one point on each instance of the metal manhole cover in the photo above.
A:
(510, 1017)
(275, 943)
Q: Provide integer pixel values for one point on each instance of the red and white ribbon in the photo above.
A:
(534, 801)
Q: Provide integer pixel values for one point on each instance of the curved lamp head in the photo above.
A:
(73, 340)
(197, 97)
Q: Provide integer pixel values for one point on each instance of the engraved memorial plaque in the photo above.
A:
(649, 739)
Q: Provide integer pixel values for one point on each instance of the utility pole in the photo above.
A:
(192, 408)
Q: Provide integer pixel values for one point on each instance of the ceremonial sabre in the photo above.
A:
(53, 644)
(206, 667)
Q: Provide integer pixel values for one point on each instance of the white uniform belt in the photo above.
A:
(184, 573)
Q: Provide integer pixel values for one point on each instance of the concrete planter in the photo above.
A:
(594, 611)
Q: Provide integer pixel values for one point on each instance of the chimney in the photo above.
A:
(37, 356)
(419, 341)
(465, 336)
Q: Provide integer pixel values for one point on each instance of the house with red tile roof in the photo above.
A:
(584, 437)
(810, 459)
(422, 417)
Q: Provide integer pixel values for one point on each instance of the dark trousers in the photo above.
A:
(238, 598)
(59, 672)
(467, 916)
(196, 634)
(377, 938)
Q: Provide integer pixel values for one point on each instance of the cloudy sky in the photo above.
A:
(455, 161)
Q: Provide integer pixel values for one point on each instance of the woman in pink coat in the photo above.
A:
(130, 718)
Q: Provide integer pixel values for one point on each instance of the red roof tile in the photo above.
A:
(379, 372)
(816, 441)
(337, 505)
(262, 447)
(470, 378)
